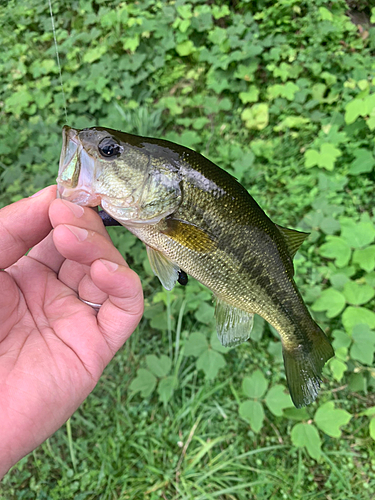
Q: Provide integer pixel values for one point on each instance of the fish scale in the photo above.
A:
(195, 217)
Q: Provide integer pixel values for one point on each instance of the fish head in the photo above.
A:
(100, 166)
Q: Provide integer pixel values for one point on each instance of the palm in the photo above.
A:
(53, 347)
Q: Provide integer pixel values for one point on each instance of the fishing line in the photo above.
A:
(58, 59)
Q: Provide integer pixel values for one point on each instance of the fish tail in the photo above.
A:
(304, 364)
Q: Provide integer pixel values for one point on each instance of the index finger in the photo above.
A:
(23, 224)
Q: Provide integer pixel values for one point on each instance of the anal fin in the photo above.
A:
(164, 269)
(233, 325)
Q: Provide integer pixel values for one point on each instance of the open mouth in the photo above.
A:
(76, 171)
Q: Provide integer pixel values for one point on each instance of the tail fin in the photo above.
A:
(303, 366)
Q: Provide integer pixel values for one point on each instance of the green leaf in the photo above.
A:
(205, 313)
(144, 382)
(325, 158)
(252, 412)
(372, 428)
(357, 315)
(353, 110)
(338, 368)
(250, 96)
(363, 163)
(296, 413)
(291, 122)
(363, 347)
(196, 344)
(358, 294)
(277, 399)
(365, 258)
(336, 248)
(342, 339)
(357, 382)
(160, 367)
(210, 362)
(166, 388)
(329, 419)
(330, 300)
(256, 117)
(306, 435)
(185, 48)
(255, 386)
(357, 234)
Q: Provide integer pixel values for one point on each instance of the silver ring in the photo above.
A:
(91, 304)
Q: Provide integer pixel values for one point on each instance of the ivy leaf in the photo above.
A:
(338, 368)
(250, 96)
(372, 428)
(185, 48)
(255, 386)
(144, 382)
(357, 315)
(365, 258)
(330, 300)
(357, 294)
(306, 435)
(256, 117)
(210, 362)
(357, 234)
(160, 367)
(363, 347)
(329, 419)
(363, 163)
(336, 248)
(166, 388)
(277, 400)
(196, 344)
(325, 158)
(252, 412)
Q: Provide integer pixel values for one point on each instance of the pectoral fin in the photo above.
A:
(233, 325)
(293, 239)
(189, 236)
(164, 269)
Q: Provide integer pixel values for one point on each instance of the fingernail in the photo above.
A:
(38, 193)
(77, 210)
(79, 232)
(111, 266)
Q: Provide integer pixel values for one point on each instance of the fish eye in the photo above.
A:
(109, 148)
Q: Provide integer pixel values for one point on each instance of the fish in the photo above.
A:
(197, 220)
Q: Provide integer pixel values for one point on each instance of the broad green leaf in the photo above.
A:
(296, 413)
(144, 382)
(166, 388)
(357, 234)
(255, 386)
(357, 315)
(330, 225)
(336, 248)
(277, 399)
(252, 412)
(363, 347)
(330, 300)
(357, 294)
(256, 117)
(250, 96)
(210, 362)
(357, 382)
(291, 122)
(369, 412)
(338, 368)
(363, 163)
(160, 367)
(341, 339)
(306, 435)
(329, 419)
(338, 280)
(353, 110)
(196, 344)
(185, 48)
(205, 313)
(365, 258)
(94, 53)
(372, 428)
(325, 158)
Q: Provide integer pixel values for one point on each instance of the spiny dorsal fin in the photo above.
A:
(293, 239)
(233, 325)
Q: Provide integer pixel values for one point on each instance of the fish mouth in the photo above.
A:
(76, 171)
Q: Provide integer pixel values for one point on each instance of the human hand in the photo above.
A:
(53, 346)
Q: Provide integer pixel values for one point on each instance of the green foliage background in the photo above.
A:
(282, 95)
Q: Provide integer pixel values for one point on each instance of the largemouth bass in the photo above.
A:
(197, 219)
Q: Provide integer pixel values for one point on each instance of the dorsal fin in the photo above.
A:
(293, 239)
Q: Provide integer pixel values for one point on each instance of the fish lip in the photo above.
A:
(76, 171)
